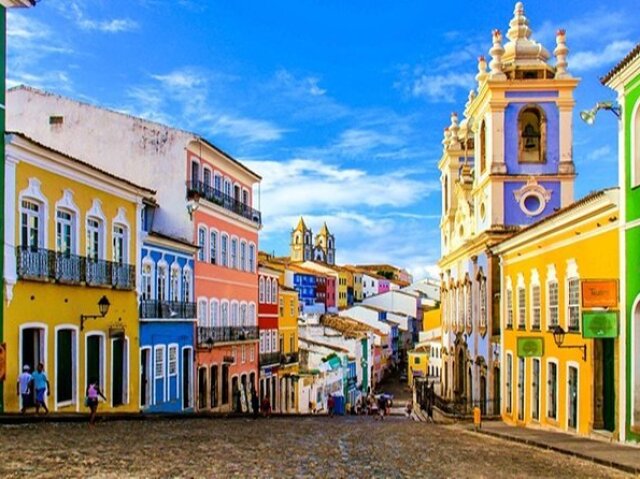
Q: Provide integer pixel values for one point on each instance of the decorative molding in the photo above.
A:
(532, 189)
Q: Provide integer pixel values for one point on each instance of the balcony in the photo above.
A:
(209, 336)
(41, 264)
(227, 202)
(269, 358)
(290, 358)
(152, 309)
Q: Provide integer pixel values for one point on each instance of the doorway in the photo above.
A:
(186, 378)
(95, 355)
(213, 383)
(572, 417)
(145, 384)
(535, 391)
(483, 395)
(202, 388)
(496, 391)
(604, 385)
(65, 370)
(521, 388)
(117, 371)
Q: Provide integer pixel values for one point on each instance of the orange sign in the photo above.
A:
(3, 361)
(600, 293)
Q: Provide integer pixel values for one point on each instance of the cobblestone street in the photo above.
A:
(278, 447)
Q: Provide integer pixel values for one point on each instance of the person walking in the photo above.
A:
(331, 403)
(431, 398)
(255, 404)
(24, 388)
(266, 407)
(93, 392)
(382, 403)
(41, 386)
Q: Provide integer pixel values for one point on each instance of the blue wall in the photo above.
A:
(513, 214)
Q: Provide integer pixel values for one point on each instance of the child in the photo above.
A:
(93, 391)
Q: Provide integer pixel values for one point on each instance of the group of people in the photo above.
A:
(33, 387)
(260, 407)
(370, 405)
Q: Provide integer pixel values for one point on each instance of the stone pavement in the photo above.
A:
(279, 447)
(625, 458)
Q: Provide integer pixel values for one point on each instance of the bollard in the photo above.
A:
(477, 418)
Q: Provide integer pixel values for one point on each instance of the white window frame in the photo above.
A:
(508, 298)
(147, 283)
(274, 291)
(94, 233)
(553, 361)
(551, 308)
(252, 257)
(202, 243)
(203, 314)
(572, 306)
(224, 249)
(213, 245)
(267, 291)
(172, 347)
(521, 298)
(187, 282)
(243, 255)
(33, 194)
(159, 373)
(70, 223)
(162, 280)
(175, 282)
(261, 285)
(508, 383)
(122, 235)
(215, 313)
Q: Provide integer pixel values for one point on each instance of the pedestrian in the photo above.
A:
(255, 404)
(387, 407)
(93, 392)
(266, 407)
(382, 402)
(24, 388)
(358, 406)
(409, 409)
(331, 404)
(41, 386)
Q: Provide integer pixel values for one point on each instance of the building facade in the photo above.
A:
(71, 243)
(507, 164)
(270, 344)
(624, 78)
(289, 356)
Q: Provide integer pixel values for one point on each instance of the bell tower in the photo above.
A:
(326, 242)
(301, 248)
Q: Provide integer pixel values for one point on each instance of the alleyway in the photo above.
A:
(279, 447)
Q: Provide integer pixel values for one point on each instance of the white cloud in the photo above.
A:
(442, 87)
(115, 25)
(591, 59)
(355, 141)
(248, 129)
(602, 154)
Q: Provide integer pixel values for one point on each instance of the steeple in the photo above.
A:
(301, 226)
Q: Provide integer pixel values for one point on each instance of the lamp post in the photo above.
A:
(103, 307)
(558, 337)
(589, 116)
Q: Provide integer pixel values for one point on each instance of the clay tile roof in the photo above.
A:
(621, 64)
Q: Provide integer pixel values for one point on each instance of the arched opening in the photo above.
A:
(635, 316)
(635, 146)
(446, 194)
(483, 146)
(532, 135)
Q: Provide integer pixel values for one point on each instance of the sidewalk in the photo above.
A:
(625, 458)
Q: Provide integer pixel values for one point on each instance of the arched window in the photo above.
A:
(120, 246)
(224, 314)
(243, 255)
(274, 291)
(213, 247)
(202, 234)
(268, 291)
(252, 315)
(532, 135)
(95, 238)
(214, 313)
(175, 283)
(186, 284)
(161, 291)
(146, 288)
(66, 242)
(202, 313)
(261, 289)
(243, 314)
(234, 314)
(252, 258)
(483, 146)
(224, 250)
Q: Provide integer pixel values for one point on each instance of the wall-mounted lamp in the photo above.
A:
(103, 307)
(589, 116)
(192, 205)
(558, 337)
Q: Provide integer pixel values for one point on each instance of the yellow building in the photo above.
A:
(71, 249)
(344, 278)
(559, 345)
(418, 362)
(431, 319)
(288, 330)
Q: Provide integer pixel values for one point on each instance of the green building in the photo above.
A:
(624, 78)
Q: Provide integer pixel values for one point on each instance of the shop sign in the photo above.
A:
(530, 347)
(599, 324)
(598, 293)
(3, 361)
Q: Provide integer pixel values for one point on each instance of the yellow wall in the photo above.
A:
(343, 281)
(595, 252)
(288, 319)
(431, 320)
(49, 305)
(418, 361)
(357, 287)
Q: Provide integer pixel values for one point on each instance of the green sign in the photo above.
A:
(600, 324)
(530, 347)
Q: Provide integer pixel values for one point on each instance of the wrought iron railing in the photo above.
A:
(208, 336)
(167, 310)
(47, 265)
(220, 198)
(269, 358)
(289, 358)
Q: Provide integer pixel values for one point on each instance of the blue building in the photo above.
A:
(167, 324)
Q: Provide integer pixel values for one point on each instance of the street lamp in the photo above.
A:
(558, 337)
(103, 307)
(589, 116)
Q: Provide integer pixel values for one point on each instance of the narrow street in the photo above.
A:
(277, 447)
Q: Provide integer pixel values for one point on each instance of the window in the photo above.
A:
(234, 253)
(573, 288)
(483, 146)
(509, 306)
(532, 128)
(252, 355)
(535, 390)
(227, 187)
(552, 301)
(281, 307)
(521, 375)
(65, 241)
(206, 176)
(468, 306)
(274, 340)
(159, 369)
(161, 292)
(483, 302)
(224, 313)
(243, 353)
(234, 314)
(268, 291)
(195, 174)
(252, 315)
(214, 313)
(224, 245)
(186, 285)
(535, 306)
(119, 244)
(291, 343)
(175, 283)
(243, 256)
(217, 182)
(147, 282)
(245, 197)
(243, 314)
(213, 247)
(202, 232)
(252, 258)
(508, 385)
(522, 311)
(261, 290)
(461, 308)
(173, 360)
(262, 344)
(94, 239)
(202, 313)
(31, 232)
(274, 291)
(552, 390)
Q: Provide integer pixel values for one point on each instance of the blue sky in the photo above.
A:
(340, 106)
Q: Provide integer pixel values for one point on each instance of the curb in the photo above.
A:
(540, 445)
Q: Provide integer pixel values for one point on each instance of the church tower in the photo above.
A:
(301, 247)
(325, 246)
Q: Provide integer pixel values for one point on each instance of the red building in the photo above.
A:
(270, 347)
(226, 277)
(331, 293)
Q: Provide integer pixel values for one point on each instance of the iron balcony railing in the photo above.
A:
(269, 358)
(208, 336)
(167, 310)
(289, 358)
(47, 265)
(220, 198)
